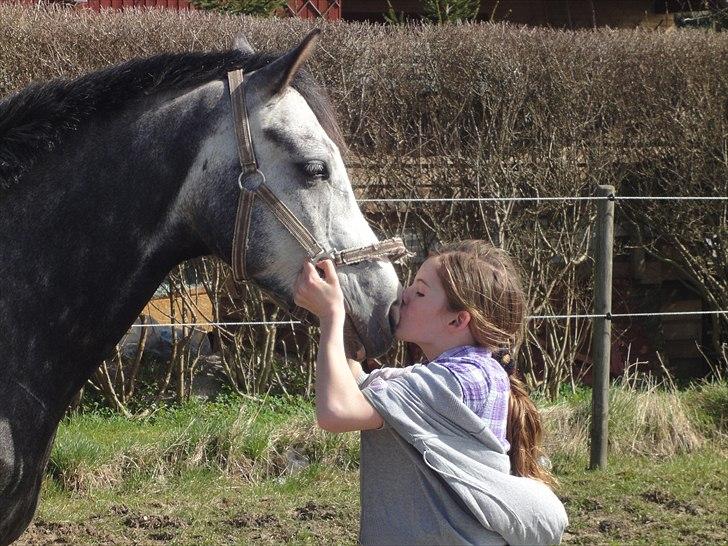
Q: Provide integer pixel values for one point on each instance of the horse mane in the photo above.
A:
(35, 120)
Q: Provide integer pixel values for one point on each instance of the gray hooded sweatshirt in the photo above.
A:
(435, 474)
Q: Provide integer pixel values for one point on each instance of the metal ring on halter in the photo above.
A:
(246, 174)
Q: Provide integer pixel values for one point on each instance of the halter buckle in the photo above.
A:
(324, 255)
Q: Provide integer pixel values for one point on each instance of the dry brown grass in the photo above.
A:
(646, 418)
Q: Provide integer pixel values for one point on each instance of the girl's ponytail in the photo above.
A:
(524, 432)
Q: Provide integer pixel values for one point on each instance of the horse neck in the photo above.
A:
(88, 236)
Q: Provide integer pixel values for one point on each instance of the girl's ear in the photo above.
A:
(461, 321)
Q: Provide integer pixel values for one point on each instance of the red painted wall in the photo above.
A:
(313, 9)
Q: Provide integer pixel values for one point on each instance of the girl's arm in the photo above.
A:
(356, 369)
(340, 405)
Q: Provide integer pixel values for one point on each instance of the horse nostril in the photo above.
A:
(394, 316)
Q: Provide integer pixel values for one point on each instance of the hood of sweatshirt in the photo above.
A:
(424, 408)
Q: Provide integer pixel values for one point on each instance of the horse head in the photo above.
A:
(301, 164)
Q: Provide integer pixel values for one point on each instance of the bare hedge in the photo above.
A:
(483, 110)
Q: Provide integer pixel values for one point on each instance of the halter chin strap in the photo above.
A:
(252, 183)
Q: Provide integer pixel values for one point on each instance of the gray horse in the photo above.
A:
(110, 180)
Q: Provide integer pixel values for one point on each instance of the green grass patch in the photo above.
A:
(638, 500)
(708, 403)
(320, 505)
(235, 436)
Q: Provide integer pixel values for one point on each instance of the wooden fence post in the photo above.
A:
(602, 327)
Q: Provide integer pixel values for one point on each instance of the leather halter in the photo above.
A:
(252, 184)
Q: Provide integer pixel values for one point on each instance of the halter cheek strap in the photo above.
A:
(249, 167)
(252, 183)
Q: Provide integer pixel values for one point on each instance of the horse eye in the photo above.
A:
(316, 169)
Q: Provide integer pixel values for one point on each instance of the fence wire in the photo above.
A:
(611, 197)
(608, 316)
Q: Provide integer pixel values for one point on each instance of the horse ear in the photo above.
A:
(241, 43)
(276, 77)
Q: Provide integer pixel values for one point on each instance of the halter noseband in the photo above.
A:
(393, 248)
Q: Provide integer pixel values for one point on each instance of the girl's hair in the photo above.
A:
(484, 281)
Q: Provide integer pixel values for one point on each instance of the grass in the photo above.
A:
(637, 500)
(320, 505)
(235, 472)
(251, 441)
(708, 406)
(645, 418)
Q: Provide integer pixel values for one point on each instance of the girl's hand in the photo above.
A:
(323, 297)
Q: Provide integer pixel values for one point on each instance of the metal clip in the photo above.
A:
(251, 187)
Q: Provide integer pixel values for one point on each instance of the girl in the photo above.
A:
(449, 449)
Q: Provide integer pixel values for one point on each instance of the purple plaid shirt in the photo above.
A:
(485, 385)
